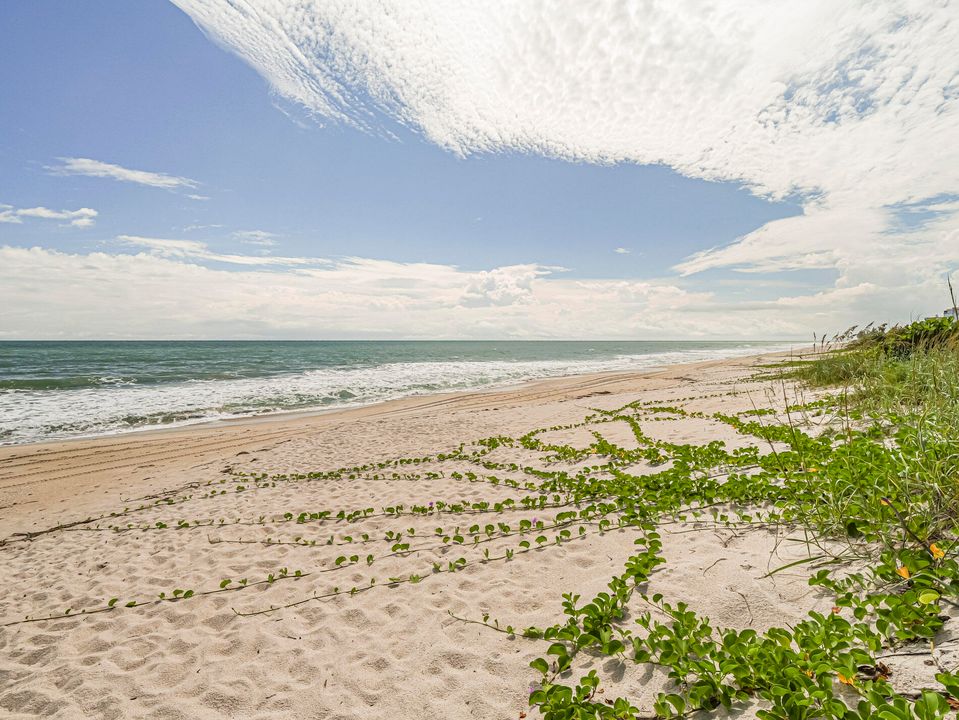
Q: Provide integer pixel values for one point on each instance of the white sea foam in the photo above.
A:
(31, 415)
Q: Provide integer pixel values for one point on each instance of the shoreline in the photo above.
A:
(293, 414)
(55, 472)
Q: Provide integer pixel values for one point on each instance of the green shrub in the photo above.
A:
(903, 340)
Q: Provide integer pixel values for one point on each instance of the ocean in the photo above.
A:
(55, 390)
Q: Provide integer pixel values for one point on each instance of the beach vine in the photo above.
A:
(863, 475)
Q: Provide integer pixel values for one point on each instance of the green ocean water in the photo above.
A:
(67, 389)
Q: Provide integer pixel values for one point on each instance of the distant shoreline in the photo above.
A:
(108, 458)
(346, 406)
(60, 394)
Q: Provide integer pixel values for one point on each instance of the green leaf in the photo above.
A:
(540, 664)
(677, 702)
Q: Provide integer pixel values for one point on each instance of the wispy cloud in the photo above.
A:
(84, 217)
(622, 251)
(734, 95)
(96, 168)
(715, 90)
(256, 237)
(195, 250)
(190, 228)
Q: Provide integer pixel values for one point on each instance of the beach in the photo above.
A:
(479, 361)
(193, 512)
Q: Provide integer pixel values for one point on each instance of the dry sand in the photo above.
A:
(391, 652)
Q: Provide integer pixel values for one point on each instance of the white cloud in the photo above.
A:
(720, 90)
(622, 251)
(193, 196)
(190, 228)
(96, 168)
(168, 291)
(256, 237)
(177, 289)
(846, 103)
(84, 217)
(510, 285)
(199, 251)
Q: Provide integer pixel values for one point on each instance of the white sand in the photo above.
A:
(385, 653)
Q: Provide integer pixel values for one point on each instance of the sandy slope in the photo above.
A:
(390, 652)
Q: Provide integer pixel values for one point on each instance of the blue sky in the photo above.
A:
(263, 173)
(138, 85)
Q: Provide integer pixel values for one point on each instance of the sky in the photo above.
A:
(477, 170)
